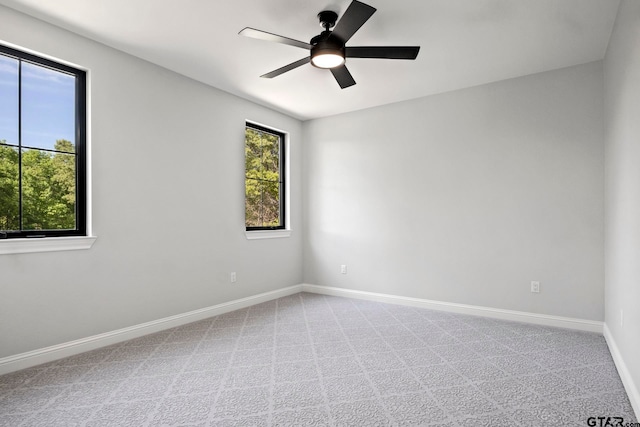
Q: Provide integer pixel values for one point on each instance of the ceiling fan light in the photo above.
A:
(327, 59)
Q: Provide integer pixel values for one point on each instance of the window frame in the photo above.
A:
(268, 231)
(81, 169)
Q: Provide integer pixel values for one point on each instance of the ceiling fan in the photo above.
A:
(328, 50)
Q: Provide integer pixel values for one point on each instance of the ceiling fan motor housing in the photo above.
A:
(325, 44)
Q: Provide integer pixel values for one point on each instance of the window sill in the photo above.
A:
(267, 234)
(46, 244)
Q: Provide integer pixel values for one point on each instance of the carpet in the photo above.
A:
(315, 360)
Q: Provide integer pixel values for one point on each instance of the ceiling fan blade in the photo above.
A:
(263, 35)
(343, 76)
(385, 52)
(282, 70)
(352, 19)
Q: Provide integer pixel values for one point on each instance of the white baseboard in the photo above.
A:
(49, 354)
(517, 316)
(630, 386)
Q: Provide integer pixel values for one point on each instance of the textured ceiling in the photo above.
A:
(463, 43)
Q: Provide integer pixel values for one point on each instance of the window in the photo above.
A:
(42, 147)
(264, 178)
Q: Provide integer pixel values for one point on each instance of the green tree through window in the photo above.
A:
(48, 188)
(264, 178)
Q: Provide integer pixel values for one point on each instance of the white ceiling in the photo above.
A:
(463, 43)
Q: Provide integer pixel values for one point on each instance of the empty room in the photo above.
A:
(323, 213)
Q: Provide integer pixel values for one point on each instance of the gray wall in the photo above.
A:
(168, 204)
(622, 247)
(465, 197)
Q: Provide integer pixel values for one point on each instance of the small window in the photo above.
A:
(42, 147)
(264, 178)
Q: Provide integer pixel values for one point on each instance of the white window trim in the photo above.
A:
(46, 244)
(267, 234)
(63, 243)
(286, 232)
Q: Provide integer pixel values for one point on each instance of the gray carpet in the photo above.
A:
(317, 360)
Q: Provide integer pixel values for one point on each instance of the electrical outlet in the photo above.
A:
(233, 277)
(343, 269)
(535, 287)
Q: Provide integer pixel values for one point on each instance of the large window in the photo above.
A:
(42, 147)
(264, 178)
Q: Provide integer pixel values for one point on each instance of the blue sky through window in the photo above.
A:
(48, 104)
